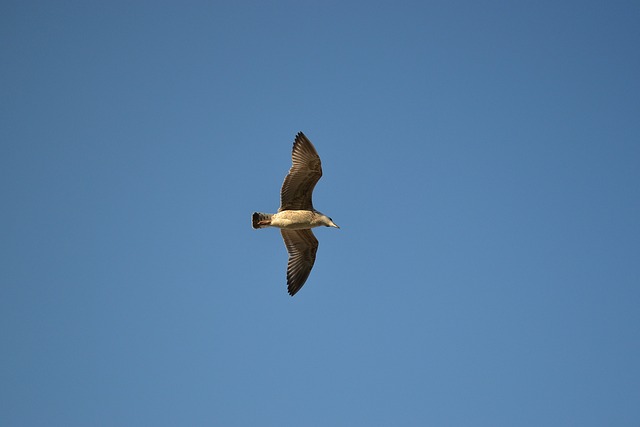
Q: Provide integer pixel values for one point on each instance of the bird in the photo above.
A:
(296, 216)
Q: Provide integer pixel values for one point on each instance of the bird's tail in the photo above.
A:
(261, 220)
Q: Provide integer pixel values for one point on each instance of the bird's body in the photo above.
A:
(296, 215)
(294, 220)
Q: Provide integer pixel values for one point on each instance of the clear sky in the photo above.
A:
(481, 157)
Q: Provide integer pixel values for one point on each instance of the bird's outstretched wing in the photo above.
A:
(302, 246)
(303, 176)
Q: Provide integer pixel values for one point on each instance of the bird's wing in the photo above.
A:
(302, 246)
(305, 172)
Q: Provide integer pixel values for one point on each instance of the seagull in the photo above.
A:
(296, 216)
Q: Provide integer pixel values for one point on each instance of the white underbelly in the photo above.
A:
(292, 220)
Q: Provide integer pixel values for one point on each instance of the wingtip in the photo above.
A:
(300, 136)
(292, 288)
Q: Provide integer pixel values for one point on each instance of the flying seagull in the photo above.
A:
(296, 216)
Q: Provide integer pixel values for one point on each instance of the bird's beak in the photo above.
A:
(334, 225)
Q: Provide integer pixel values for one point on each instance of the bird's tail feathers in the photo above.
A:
(261, 220)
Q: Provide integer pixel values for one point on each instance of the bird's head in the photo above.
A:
(326, 221)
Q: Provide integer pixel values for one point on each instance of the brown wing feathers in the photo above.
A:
(303, 176)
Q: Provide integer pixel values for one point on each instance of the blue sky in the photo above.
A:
(482, 159)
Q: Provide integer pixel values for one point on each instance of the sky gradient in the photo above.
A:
(481, 158)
